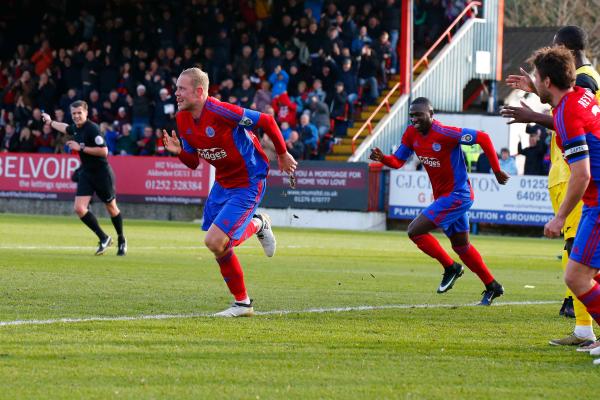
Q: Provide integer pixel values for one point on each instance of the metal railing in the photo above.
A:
(471, 7)
(368, 124)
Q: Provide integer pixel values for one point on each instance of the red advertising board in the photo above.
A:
(139, 179)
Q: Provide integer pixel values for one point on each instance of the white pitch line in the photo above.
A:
(271, 312)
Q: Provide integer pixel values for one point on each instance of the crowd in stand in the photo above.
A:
(309, 63)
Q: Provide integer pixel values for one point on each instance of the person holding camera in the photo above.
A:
(94, 176)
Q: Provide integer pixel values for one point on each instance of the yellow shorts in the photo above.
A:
(557, 195)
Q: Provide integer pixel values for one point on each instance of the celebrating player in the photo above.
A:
(221, 134)
(577, 123)
(438, 148)
(574, 39)
(96, 176)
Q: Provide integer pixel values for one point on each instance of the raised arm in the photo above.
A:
(389, 160)
(59, 126)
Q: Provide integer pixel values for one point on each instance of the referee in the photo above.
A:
(95, 176)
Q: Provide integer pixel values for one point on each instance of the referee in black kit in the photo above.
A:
(95, 174)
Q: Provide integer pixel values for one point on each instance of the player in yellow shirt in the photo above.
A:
(575, 39)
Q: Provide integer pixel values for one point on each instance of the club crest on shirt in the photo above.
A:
(245, 121)
(436, 147)
(466, 138)
(188, 131)
(210, 132)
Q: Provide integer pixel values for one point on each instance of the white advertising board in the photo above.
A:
(524, 200)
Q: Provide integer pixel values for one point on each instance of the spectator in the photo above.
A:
(26, 141)
(245, 93)
(110, 136)
(339, 111)
(483, 164)
(164, 114)
(319, 114)
(279, 80)
(285, 130)
(435, 21)
(36, 123)
(385, 54)
(285, 109)
(295, 146)
(45, 92)
(159, 144)
(367, 74)
(44, 140)
(390, 22)
(349, 78)
(317, 90)
(140, 111)
(262, 97)
(147, 144)
(534, 154)
(42, 58)
(243, 64)
(94, 102)
(507, 163)
(359, 42)
(126, 143)
(10, 141)
(309, 136)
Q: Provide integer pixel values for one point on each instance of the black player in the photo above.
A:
(95, 176)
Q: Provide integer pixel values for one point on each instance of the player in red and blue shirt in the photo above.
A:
(221, 134)
(438, 149)
(577, 123)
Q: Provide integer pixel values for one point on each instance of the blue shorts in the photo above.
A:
(450, 213)
(586, 249)
(232, 209)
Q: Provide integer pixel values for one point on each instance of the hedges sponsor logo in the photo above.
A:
(212, 154)
(430, 162)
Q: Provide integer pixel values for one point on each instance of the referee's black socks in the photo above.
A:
(117, 222)
(90, 220)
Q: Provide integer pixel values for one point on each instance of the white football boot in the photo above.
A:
(237, 310)
(265, 235)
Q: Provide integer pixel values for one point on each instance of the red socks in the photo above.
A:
(472, 259)
(591, 299)
(251, 229)
(430, 246)
(233, 275)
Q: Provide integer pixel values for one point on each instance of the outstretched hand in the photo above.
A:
(171, 142)
(376, 154)
(523, 114)
(523, 81)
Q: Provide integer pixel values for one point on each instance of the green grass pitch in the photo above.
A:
(47, 271)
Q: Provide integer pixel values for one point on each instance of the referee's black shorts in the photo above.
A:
(101, 182)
